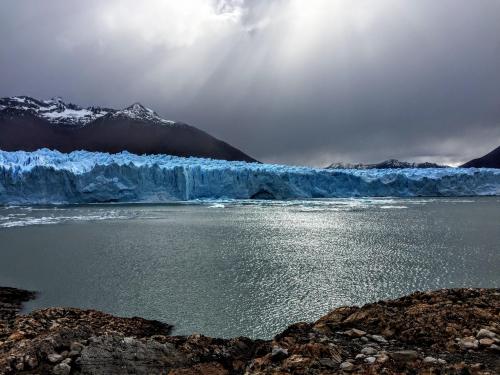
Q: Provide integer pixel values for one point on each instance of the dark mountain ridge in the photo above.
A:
(29, 124)
(490, 160)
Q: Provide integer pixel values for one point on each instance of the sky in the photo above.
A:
(306, 82)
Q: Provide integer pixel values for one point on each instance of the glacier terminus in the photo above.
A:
(52, 177)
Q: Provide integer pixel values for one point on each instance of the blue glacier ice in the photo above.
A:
(46, 177)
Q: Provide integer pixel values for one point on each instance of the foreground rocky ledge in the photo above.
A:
(452, 331)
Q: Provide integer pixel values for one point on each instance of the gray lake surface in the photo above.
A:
(251, 268)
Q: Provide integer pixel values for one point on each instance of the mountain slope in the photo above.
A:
(30, 124)
(490, 160)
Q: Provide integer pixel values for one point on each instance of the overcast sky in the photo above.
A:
(294, 81)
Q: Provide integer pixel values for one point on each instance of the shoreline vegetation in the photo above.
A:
(448, 331)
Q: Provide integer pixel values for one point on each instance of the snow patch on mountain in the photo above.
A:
(138, 112)
(58, 112)
(47, 177)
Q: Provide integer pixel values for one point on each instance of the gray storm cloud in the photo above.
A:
(305, 82)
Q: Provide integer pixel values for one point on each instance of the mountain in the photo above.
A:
(490, 160)
(387, 164)
(30, 124)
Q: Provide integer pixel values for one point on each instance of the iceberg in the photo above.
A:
(51, 177)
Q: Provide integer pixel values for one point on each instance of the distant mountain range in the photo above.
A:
(490, 160)
(387, 164)
(30, 124)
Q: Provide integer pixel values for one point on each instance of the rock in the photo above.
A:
(73, 354)
(486, 342)
(477, 366)
(16, 336)
(129, 340)
(31, 361)
(404, 356)
(494, 348)
(328, 362)
(354, 332)
(426, 322)
(469, 343)
(368, 351)
(382, 358)
(61, 369)
(346, 366)
(370, 360)
(54, 357)
(76, 347)
(278, 353)
(485, 333)
(378, 338)
(67, 361)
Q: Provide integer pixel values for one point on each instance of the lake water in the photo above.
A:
(247, 268)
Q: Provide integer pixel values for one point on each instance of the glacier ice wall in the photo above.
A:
(45, 176)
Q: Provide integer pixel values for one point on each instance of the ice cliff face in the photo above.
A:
(45, 176)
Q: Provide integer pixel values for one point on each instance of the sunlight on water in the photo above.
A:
(228, 268)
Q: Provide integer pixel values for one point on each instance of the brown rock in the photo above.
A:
(404, 356)
(486, 342)
(355, 332)
(16, 336)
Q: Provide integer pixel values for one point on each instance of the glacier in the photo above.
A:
(51, 177)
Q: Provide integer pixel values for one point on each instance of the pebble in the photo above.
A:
(346, 366)
(278, 353)
(355, 332)
(368, 351)
(128, 340)
(360, 356)
(328, 362)
(370, 360)
(61, 369)
(73, 353)
(76, 347)
(485, 333)
(469, 343)
(404, 355)
(67, 361)
(430, 360)
(486, 342)
(31, 361)
(494, 347)
(54, 357)
(382, 358)
(378, 338)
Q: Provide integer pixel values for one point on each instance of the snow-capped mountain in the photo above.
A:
(56, 111)
(29, 124)
(138, 112)
(387, 164)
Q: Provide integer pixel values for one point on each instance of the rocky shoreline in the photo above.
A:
(450, 331)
